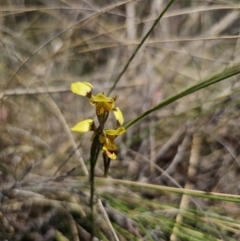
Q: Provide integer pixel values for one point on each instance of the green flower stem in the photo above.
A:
(139, 46)
(95, 149)
(229, 72)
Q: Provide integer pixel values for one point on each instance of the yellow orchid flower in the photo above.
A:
(107, 139)
(103, 103)
(82, 88)
(84, 126)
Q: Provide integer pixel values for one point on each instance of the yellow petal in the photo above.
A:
(83, 126)
(101, 98)
(111, 154)
(105, 140)
(118, 115)
(102, 138)
(81, 88)
(117, 132)
(103, 103)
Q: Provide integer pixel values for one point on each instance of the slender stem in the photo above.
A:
(95, 149)
(140, 45)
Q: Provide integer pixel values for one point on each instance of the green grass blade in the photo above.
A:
(139, 46)
(228, 72)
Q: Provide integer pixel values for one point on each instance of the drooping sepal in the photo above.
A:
(84, 126)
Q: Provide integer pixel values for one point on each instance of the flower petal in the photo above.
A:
(83, 126)
(111, 154)
(101, 98)
(81, 88)
(117, 132)
(118, 115)
(103, 103)
(102, 138)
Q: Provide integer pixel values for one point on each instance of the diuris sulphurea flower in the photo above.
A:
(109, 149)
(107, 139)
(102, 102)
(103, 105)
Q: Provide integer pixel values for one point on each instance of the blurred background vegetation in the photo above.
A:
(192, 143)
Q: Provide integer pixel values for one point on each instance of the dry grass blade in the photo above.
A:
(82, 24)
(184, 204)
